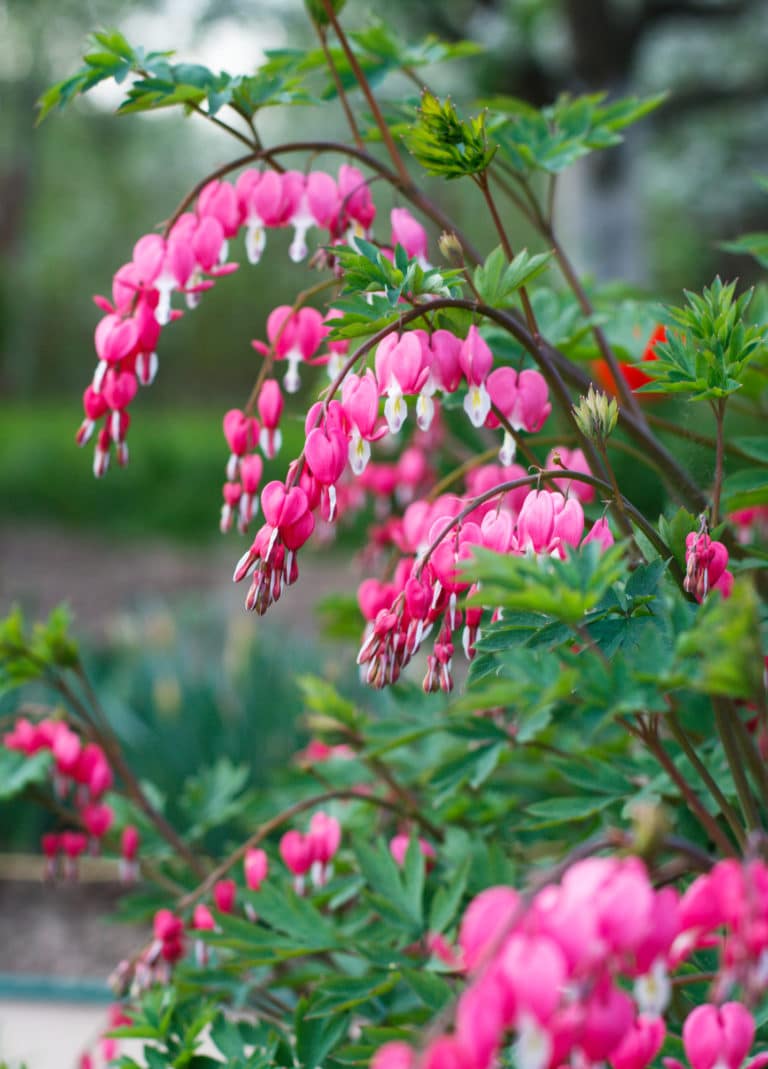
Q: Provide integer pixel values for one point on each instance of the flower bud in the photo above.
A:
(450, 248)
(596, 415)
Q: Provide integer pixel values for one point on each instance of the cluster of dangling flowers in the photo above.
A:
(311, 852)
(187, 260)
(339, 434)
(81, 775)
(554, 973)
(706, 564)
(434, 538)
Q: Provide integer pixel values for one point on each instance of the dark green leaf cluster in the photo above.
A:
(709, 347)
(446, 145)
(175, 1024)
(367, 269)
(566, 589)
(554, 137)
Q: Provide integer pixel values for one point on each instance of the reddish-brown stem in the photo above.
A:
(509, 252)
(545, 476)
(270, 826)
(373, 103)
(735, 759)
(269, 361)
(406, 187)
(626, 396)
(709, 781)
(648, 735)
(718, 407)
(320, 30)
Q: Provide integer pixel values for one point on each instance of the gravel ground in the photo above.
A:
(97, 577)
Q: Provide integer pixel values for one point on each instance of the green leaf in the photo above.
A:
(414, 875)
(295, 916)
(721, 654)
(554, 811)
(383, 876)
(445, 145)
(323, 698)
(497, 280)
(433, 991)
(563, 589)
(17, 771)
(448, 898)
(316, 1036)
(752, 244)
(754, 445)
(746, 488)
(709, 345)
(318, 13)
(226, 1036)
(555, 137)
(675, 531)
(214, 796)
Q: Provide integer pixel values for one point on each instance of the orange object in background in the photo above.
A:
(634, 377)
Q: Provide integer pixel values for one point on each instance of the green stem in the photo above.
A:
(618, 501)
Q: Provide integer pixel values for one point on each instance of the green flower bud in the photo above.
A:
(596, 415)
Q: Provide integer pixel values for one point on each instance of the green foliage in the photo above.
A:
(564, 589)
(554, 137)
(379, 52)
(368, 270)
(709, 348)
(445, 145)
(214, 796)
(721, 654)
(497, 280)
(26, 656)
(752, 244)
(17, 772)
(158, 83)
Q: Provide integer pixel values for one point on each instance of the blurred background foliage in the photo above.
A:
(77, 192)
